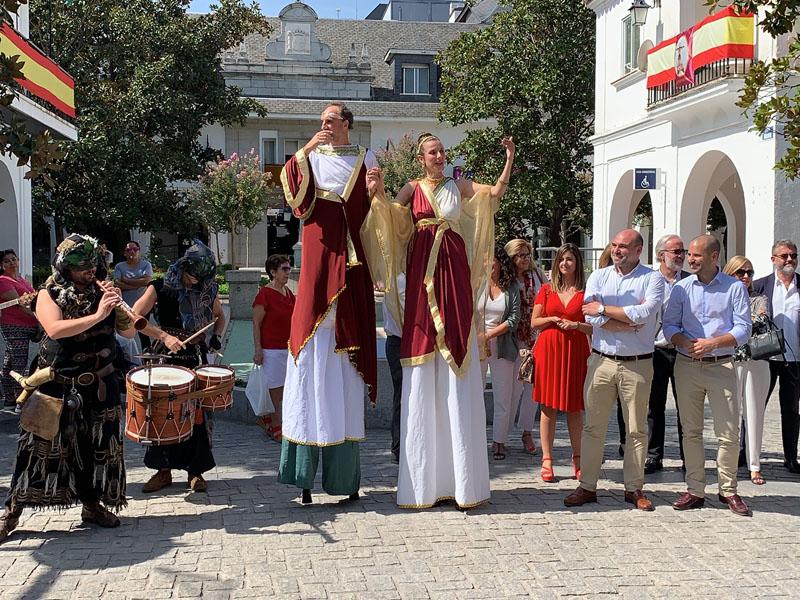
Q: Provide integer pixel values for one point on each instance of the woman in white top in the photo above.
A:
(501, 314)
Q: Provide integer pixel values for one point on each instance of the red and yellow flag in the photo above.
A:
(43, 77)
(727, 34)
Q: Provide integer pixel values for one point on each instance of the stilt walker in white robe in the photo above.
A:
(448, 230)
(331, 365)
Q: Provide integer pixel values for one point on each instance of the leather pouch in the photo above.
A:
(41, 415)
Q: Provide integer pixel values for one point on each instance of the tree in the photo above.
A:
(39, 151)
(771, 89)
(399, 164)
(532, 70)
(147, 78)
(232, 195)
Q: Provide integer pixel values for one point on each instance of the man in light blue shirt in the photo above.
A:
(707, 316)
(622, 303)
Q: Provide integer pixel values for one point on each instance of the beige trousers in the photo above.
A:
(694, 380)
(607, 380)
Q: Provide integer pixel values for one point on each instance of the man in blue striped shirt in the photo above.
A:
(706, 317)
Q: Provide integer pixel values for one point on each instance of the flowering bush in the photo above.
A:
(232, 194)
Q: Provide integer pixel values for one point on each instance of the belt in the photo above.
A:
(624, 358)
(668, 349)
(422, 223)
(84, 379)
(712, 359)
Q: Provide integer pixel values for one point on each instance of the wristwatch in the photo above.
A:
(601, 310)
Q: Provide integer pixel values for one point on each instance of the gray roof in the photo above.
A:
(380, 37)
(303, 107)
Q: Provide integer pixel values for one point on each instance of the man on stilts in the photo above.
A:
(332, 353)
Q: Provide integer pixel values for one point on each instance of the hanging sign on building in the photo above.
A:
(726, 34)
(645, 179)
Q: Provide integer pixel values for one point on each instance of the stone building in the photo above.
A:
(384, 70)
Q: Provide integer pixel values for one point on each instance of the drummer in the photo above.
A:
(185, 301)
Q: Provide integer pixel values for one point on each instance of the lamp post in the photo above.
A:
(638, 12)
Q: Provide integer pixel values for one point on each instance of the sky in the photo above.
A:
(326, 9)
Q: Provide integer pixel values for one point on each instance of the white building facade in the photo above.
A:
(40, 108)
(695, 136)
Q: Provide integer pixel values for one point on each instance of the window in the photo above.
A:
(268, 147)
(290, 148)
(268, 151)
(416, 79)
(630, 45)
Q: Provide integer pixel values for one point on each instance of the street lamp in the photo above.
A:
(638, 12)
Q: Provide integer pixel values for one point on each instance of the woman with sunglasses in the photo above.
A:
(272, 321)
(752, 375)
(530, 280)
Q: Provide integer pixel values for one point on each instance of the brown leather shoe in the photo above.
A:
(580, 497)
(687, 502)
(639, 500)
(8, 522)
(99, 515)
(161, 479)
(197, 483)
(736, 504)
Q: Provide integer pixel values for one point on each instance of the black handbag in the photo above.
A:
(770, 342)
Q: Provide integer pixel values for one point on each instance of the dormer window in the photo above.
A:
(416, 79)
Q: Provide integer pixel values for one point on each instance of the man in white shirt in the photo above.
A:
(622, 305)
(781, 290)
(708, 315)
(669, 253)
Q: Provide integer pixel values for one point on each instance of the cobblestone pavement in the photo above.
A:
(249, 536)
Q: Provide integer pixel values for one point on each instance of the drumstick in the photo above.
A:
(196, 334)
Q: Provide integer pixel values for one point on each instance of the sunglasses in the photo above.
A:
(743, 272)
(677, 252)
(784, 257)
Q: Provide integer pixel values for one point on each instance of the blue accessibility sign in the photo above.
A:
(645, 179)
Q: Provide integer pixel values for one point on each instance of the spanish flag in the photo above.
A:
(43, 77)
(726, 34)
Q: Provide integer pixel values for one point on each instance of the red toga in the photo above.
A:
(334, 267)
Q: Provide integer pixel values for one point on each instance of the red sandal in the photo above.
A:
(547, 472)
(275, 433)
(528, 443)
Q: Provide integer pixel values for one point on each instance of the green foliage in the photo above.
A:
(532, 70)
(39, 151)
(399, 164)
(771, 94)
(231, 195)
(147, 79)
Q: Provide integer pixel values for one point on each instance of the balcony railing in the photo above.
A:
(721, 69)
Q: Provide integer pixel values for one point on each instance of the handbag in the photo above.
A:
(526, 366)
(41, 415)
(767, 344)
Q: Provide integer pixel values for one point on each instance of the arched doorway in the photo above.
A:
(713, 202)
(9, 217)
(632, 209)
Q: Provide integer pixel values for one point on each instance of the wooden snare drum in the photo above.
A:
(219, 380)
(156, 416)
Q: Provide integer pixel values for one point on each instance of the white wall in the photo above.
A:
(15, 213)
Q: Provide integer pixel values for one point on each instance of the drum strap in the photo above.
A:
(196, 395)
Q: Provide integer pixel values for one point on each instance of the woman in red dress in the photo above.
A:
(272, 322)
(560, 354)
